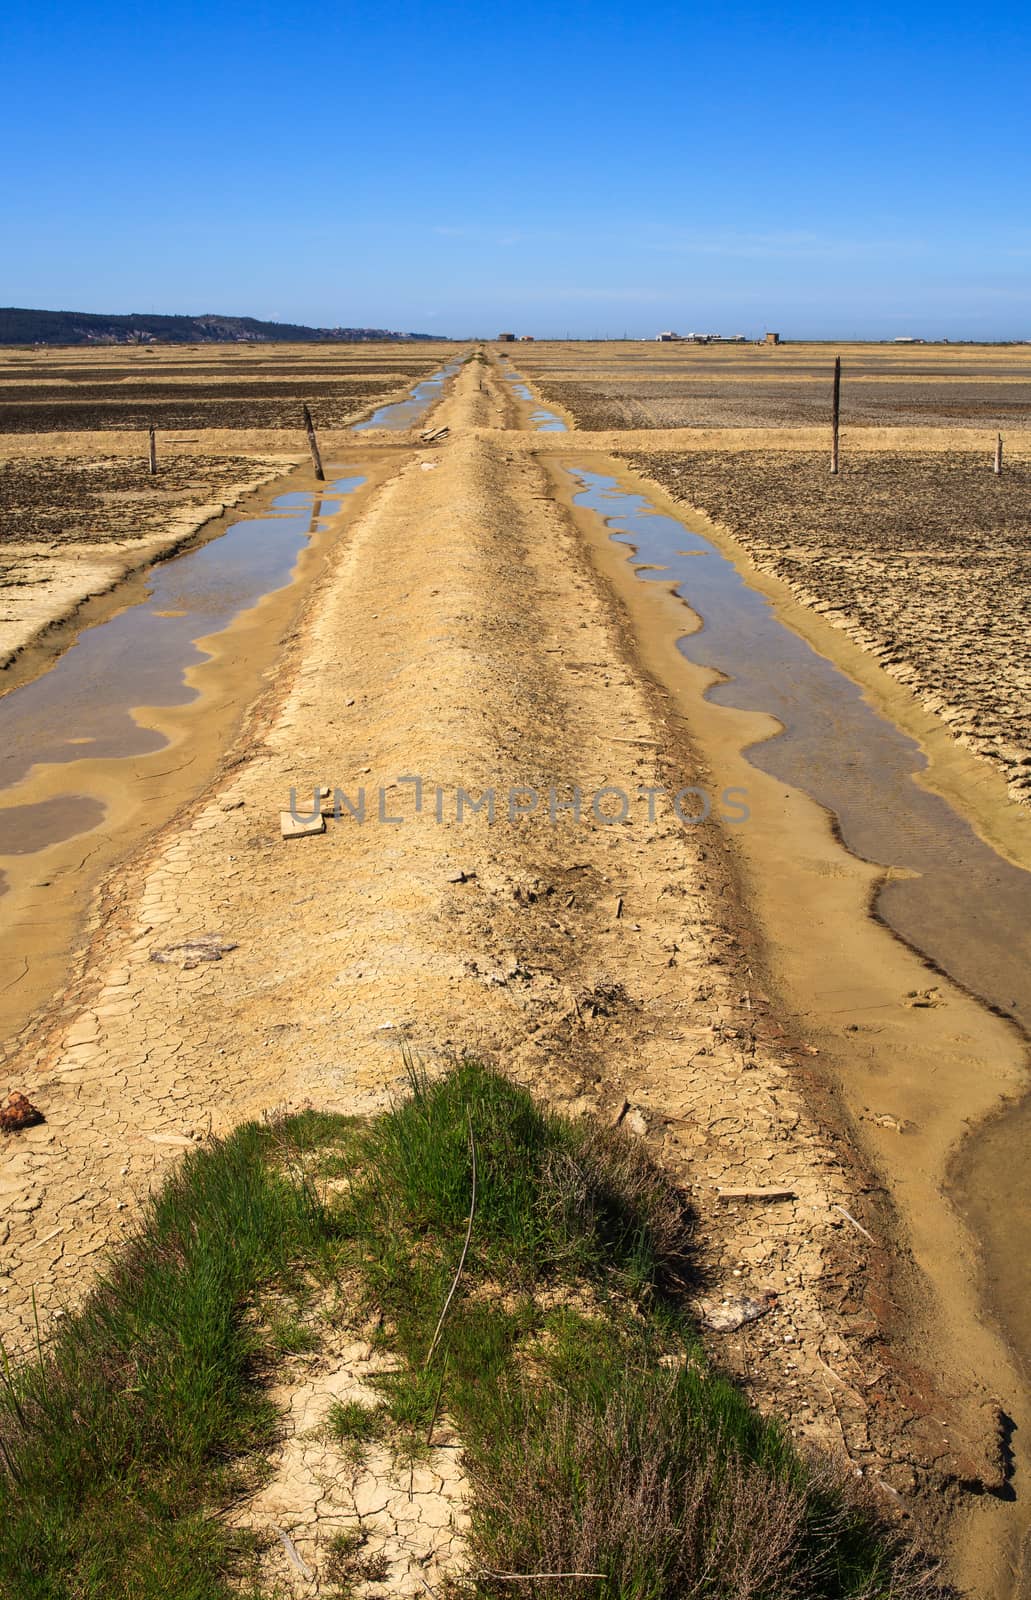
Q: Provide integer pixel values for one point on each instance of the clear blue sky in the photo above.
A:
(589, 168)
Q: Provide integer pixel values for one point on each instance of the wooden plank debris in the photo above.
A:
(756, 1194)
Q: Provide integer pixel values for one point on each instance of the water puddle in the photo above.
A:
(402, 414)
(83, 706)
(966, 907)
(26, 829)
(547, 421)
(543, 421)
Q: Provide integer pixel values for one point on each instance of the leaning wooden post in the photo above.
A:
(153, 453)
(835, 414)
(998, 455)
(313, 445)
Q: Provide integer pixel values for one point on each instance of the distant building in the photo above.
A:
(667, 338)
(773, 338)
(526, 338)
(506, 338)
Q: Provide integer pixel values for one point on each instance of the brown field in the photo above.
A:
(192, 387)
(923, 560)
(606, 386)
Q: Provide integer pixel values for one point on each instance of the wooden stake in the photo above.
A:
(998, 455)
(153, 454)
(835, 414)
(313, 445)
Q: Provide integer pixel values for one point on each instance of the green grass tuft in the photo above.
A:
(545, 1323)
(122, 1434)
(350, 1419)
(597, 1437)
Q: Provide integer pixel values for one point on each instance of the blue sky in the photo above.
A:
(590, 169)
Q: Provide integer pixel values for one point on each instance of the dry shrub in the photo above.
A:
(605, 1184)
(636, 1492)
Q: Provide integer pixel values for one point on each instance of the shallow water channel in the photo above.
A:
(403, 414)
(83, 706)
(954, 899)
(542, 420)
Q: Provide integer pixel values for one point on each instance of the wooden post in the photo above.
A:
(835, 414)
(153, 455)
(998, 455)
(313, 445)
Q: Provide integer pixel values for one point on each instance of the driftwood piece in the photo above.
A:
(857, 1225)
(756, 1194)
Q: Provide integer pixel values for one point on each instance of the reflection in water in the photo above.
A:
(25, 829)
(402, 414)
(82, 707)
(969, 909)
(966, 908)
(543, 421)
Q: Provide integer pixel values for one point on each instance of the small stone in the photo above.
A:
(734, 1311)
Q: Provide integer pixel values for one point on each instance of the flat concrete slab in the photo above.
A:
(292, 827)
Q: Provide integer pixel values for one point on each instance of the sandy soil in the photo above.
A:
(466, 633)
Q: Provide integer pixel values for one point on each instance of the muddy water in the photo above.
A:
(26, 829)
(969, 909)
(83, 707)
(402, 414)
(949, 896)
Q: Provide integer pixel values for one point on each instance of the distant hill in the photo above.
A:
(18, 326)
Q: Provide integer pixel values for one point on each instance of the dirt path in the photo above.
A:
(464, 637)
